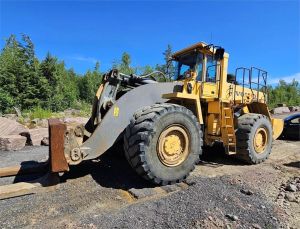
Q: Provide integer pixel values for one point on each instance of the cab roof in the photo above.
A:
(198, 46)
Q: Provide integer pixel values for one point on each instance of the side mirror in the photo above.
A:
(219, 55)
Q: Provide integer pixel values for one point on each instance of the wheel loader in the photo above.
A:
(164, 125)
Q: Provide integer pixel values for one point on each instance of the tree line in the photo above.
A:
(27, 82)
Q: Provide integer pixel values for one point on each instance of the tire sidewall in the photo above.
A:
(193, 129)
(261, 123)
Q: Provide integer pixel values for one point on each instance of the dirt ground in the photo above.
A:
(220, 193)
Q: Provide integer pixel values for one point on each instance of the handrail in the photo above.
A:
(260, 85)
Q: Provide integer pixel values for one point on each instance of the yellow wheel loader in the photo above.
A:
(163, 125)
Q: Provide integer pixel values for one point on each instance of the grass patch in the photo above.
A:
(40, 113)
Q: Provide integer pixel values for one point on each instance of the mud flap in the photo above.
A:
(58, 162)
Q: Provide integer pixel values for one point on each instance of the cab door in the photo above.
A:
(210, 80)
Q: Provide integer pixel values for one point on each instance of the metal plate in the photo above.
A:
(58, 162)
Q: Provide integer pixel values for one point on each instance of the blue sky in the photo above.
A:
(265, 34)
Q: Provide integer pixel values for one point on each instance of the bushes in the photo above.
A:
(40, 113)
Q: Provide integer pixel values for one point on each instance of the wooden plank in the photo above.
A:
(17, 189)
(30, 187)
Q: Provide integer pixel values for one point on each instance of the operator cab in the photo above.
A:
(200, 59)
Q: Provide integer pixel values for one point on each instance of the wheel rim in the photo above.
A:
(173, 145)
(260, 140)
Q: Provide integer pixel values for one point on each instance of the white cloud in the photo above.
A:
(288, 79)
(85, 59)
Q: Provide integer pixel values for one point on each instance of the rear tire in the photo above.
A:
(254, 138)
(151, 139)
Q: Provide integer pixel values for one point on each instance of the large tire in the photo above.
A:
(254, 129)
(143, 137)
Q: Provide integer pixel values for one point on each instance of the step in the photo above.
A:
(231, 152)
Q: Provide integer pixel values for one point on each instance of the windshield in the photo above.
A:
(188, 62)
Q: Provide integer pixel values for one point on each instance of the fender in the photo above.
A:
(118, 117)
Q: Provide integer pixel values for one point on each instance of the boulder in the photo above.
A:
(79, 120)
(45, 141)
(11, 127)
(280, 110)
(35, 136)
(12, 142)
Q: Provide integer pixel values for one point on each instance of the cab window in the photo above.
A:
(200, 67)
(211, 69)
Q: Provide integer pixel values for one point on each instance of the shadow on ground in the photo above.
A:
(112, 170)
(295, 164)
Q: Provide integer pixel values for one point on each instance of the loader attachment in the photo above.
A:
(58, 162)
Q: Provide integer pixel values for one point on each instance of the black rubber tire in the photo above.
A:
(141, 136)
(247, 127)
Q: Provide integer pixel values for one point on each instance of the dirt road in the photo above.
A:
(220, 193)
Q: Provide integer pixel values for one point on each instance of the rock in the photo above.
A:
(44, 123)
(291, 188)
(12, 142)
(45, 141)
(256, 226)
(79, 120)
(171, 188)
(39, 122)
(246, 192)
(290, 197)
(280, 110)
(11, 127)
(35, 121)
(142, 193)
(232, 217)
(11, 116)
(298, 186)
(72, 112)
(35, 136)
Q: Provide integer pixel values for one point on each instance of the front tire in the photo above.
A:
(163, 143)
(254, 138)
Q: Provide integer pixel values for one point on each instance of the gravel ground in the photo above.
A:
(34, 153)
(220, 193)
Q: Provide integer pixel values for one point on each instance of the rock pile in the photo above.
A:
(14, 136)
(289, 192)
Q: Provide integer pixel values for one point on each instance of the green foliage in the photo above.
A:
(167, 68)
(6, 101)
(124, 65)
(88, 84)
(40, 113)
(47, 86)
(288, 93)
(26, 83)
